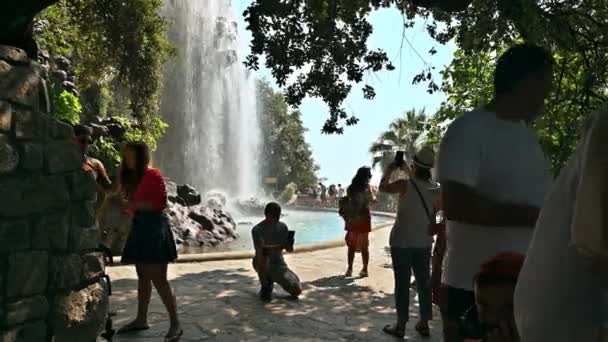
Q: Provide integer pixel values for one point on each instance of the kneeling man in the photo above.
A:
(270, 238)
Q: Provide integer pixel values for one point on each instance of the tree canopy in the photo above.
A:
(124, 42)
(286, 155)
(318, 48)
(468, 83)
(406, 134)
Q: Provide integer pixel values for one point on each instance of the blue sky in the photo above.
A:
(340, 155)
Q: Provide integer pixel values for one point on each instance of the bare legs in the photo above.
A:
(351, 259)
(148, 275)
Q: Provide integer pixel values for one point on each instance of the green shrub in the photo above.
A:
(288, 192)
(108, 153)
(65, 106)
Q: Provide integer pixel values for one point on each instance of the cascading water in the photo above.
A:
(209, 102)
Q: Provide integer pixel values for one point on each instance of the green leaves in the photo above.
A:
(286, 154)
(578, 91)
(406, 134)
(65, 106)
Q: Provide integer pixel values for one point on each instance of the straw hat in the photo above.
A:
(425, 158)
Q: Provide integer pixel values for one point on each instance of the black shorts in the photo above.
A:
(458, 302)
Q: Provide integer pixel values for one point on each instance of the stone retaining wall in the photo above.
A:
(51, 285)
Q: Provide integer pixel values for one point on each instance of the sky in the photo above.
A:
(339, 156)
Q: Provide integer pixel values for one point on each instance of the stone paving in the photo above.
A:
(218, 301)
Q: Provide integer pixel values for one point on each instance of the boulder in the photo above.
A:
(189, 194)
(193, 225)
(251, 206)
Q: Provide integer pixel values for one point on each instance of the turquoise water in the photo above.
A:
(310, 227)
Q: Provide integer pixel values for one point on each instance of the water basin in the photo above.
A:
(310, 226)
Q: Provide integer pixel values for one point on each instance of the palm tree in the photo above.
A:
(406, 134)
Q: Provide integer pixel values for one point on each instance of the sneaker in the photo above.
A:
(349, 273)
(364, 274)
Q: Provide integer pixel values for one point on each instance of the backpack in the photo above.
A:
(344, 207)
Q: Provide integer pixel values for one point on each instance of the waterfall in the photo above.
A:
(209, 102)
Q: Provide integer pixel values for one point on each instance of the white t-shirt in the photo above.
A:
(556, 298)
(503, 161)
(411, 225)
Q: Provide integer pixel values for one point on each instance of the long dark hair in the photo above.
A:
(129, 179)
(360, 182)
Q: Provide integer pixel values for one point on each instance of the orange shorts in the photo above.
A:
(357, 241)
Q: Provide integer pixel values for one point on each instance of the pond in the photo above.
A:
(310, 227)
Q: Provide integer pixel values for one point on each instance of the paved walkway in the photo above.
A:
(218, 301)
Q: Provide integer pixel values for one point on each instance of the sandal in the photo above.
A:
(176, 337)
(423, 329)
(129, 328)
(395, 331)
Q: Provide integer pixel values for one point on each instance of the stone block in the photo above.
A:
(20, 84)
(39, 234)
(66, 271)
(27, 273)
(13, 55)
(83, 186)
(80, 315)
(32, 157)
(84, 213)
(30, 124)
(33, 194)
(84, 238)
(61, 130)
(6, 116)
(58, 228)
(9, 157)
(33, 332)
(14, 236)
(25, 310)
(63, 156)
(93, 265)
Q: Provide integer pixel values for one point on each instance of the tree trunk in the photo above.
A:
(16, 23)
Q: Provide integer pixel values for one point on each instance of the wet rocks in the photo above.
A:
(193, 225)
(189, 194)
(251, 206)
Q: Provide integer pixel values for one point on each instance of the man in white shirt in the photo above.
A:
(493, 176)
(559, 293)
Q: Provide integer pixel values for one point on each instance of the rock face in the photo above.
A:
(194, 225)
(251, 206)
(51, 278)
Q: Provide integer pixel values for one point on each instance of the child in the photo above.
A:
(494, 286)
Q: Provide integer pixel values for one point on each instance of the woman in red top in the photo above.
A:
(150, 245)
(355, 209)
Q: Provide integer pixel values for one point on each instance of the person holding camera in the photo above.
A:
(270, 238)
(410, 238)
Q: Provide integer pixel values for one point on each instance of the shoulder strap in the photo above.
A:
(426, 208)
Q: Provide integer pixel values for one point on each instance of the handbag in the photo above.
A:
(433, 225)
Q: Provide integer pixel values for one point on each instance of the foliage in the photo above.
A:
(288, 192)
(318, 47)
(468, 84)
(65, 105)
(108, 152)
(404, 134)
(286, 153)
(125, 40)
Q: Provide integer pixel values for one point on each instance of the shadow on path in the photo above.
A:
(222, 305)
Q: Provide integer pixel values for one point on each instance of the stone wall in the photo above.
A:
(51, 285)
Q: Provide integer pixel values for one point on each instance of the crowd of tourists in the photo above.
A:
(507, 253)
